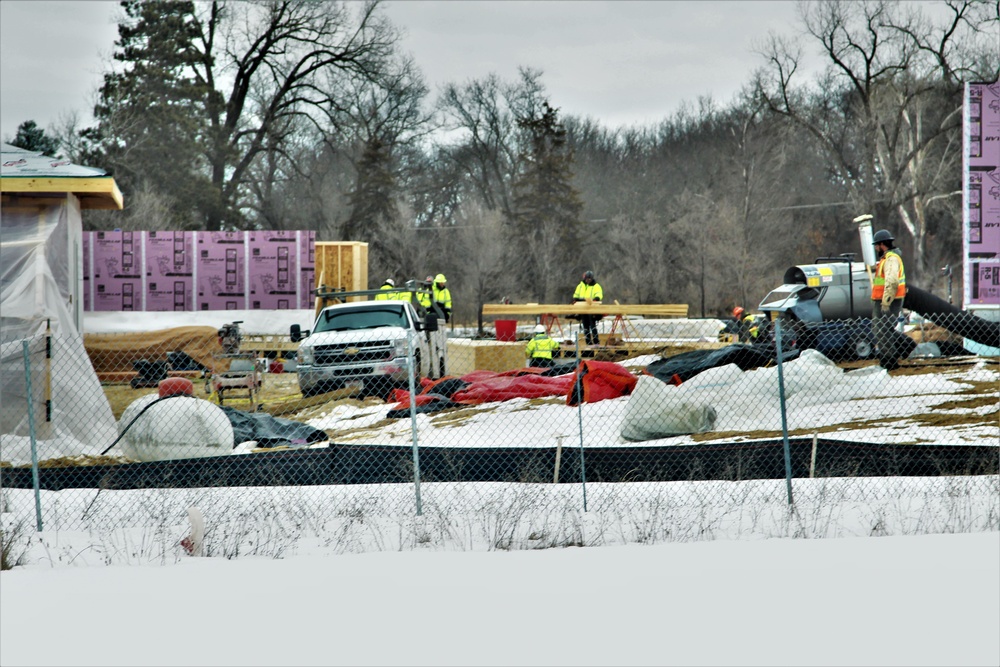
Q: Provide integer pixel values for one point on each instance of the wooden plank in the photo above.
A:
(267, 343)
(93, 192)
(563, 309)
(342, 265)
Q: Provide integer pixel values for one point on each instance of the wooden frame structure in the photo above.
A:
(550, 313)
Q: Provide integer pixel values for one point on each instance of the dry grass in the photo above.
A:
(14, 541)
(278, 395)
(82, 460)
(459, 416)
(348, 434)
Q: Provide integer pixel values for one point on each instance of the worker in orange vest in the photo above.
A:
(888, 291)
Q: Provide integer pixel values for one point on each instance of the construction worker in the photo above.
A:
(888, 291)
(441, 296)
(730, 332)
(739, 325)
(389, 293)
(424, 298)
(540, 349)
(589, 290)
(749, 329)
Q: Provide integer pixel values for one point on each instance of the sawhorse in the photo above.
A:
(622, 326)
(549, 321)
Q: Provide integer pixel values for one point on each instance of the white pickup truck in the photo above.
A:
(364, 344)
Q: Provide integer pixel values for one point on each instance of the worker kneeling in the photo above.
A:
(540, 349)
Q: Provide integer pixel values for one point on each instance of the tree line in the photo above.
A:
(307, 115)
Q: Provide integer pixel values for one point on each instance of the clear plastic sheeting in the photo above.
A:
(35, 282)
(72, 415)
(37, 292)
(178, 427)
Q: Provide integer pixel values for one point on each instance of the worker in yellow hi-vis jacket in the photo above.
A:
(589, 290)
(540, 349)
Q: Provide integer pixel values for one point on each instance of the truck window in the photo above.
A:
(368, 318)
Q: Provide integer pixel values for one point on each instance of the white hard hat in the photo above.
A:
(539, 329)
(390, 282)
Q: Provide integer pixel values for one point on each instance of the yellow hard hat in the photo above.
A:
(439, 278)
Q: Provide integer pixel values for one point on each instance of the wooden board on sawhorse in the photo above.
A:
(622, 326)
(549, 321)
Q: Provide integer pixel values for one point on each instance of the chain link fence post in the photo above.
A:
(579, 412)
(31, 434)
(784, 414)
(413, 420)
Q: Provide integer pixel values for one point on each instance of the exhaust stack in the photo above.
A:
(864, 223)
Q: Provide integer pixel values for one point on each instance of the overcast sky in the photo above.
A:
(618, 62)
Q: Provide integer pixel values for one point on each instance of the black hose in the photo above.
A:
(951, 317)
(134, 419)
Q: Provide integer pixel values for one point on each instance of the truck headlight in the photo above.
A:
(399, 349)
(305, 355)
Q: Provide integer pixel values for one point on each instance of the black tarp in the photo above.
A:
(381, 464)
(270, 431)
(688, 364)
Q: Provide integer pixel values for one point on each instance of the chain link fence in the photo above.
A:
(665, 430)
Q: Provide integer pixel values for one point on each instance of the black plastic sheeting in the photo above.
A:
(384, 464)
(688, 364)
(952, 318)
(270, 431)
(434, 403)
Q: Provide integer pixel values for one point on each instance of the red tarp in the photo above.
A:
(600, 380)
(505, 387)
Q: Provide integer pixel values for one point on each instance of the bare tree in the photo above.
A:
(479, 239)
(484, 115)
(887, 112)
(148, 208)
(284, 60)
(67, 130)
(641, 267)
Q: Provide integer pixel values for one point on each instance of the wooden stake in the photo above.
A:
(555, 475)
(812, 460)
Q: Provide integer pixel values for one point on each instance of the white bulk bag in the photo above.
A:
(660, 410)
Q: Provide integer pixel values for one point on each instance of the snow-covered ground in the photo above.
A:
(919, 600)
(867, 404)
(274, 322)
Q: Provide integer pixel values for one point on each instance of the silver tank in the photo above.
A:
(817, 292)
